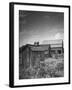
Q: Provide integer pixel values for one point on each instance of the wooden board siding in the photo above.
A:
(31, 55)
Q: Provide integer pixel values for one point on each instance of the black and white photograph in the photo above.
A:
(40, 41)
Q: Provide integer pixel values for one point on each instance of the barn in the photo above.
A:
(31, 55)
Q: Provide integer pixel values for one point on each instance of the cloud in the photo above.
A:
(59, 36)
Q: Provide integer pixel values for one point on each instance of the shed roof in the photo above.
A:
(56, 45)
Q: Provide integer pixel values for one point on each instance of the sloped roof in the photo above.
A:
(43, 47)
(40, 48)
(56, 45)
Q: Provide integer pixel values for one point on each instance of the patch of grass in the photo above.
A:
(47, 69)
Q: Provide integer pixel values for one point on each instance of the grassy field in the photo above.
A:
(49, 68)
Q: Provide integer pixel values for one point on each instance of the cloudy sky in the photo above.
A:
(40, 26)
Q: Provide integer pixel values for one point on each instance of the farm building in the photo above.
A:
(32, 55)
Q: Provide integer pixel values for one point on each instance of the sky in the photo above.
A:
(40, 26)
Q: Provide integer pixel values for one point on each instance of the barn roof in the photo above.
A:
(40, 48)
(44, 47)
